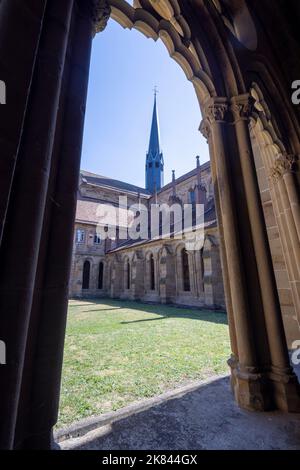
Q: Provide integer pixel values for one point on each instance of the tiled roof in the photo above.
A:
(210, 221)
(89, 212)
(99, 180)
(88, 208)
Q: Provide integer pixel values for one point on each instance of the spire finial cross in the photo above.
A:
(155, 89)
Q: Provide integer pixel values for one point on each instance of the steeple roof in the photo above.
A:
(154, 159)
(154, 144)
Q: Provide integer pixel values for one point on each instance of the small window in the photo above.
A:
(157, 165)
(152, 273)
(80, 236)
(202, 271)
(150, 165)
(97, 239)
(100, 277)
(86, 275)
(128, 276)
(192, 197)
(185, 271)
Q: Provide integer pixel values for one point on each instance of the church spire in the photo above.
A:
(154, 144)
(154, 160)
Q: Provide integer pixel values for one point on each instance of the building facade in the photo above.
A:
(159, 269)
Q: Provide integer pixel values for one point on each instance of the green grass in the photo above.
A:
(118, 352)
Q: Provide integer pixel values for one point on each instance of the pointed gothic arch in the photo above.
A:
(152, 272)
(86, 273)
(185, 270)
(101, 276)
(127, 270)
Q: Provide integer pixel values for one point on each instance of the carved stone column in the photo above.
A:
(25, 214)
(284, 382)
(42, 193)
(285, 168)
(205, 129)
(217, 285)
(282, 174)
(262, 360)
(217, 116)
(167, 281)
(16, 70)
(276, 166)
(285, 189)
(117, 278)
(138, 278)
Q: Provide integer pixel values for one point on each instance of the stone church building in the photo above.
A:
(159, 269)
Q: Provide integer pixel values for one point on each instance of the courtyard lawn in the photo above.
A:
(118, 352)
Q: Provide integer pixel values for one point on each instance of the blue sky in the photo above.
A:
(125, 68)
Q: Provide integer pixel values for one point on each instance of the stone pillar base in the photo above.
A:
(286, 390)
(265, 391)
(251, 389)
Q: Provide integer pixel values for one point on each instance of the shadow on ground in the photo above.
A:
(203, 418)
(163, 311)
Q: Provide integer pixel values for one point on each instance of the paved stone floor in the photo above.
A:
(204, 418)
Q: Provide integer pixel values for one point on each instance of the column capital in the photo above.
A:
(284, 163)
(216, 110)
(242, 107)
(205, 128)
(101, 11)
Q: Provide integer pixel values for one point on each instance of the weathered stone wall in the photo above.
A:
(206, 285)
(263, 146)
(205, 273)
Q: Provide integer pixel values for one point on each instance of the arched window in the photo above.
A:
(128, 284)
(192, 197)
(97, 239)
(86, 275)
(202, 271)
(100, 277)
(152, 273)
(185, 271)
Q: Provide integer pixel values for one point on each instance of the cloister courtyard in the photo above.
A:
(120, 352)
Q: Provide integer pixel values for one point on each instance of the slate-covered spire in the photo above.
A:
(154, 143)
(154, 160)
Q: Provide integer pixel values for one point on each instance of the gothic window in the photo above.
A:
(100, 277)
(80, 236)
(192, 201)
(202, 268)
(97, 239)
(152, 273)
(192, 197)
(156, 165)
(160, 223)
(128, 276)
(185, 271)
(86, 275)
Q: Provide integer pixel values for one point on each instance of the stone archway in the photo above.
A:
(240, 214)
(39, 183)
(86, 275)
